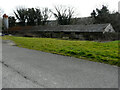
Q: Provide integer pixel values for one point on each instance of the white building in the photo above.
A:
(5, 21)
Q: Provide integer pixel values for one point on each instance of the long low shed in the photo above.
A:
(71, 31)
(76, 28)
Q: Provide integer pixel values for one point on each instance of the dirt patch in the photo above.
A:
(9, 42)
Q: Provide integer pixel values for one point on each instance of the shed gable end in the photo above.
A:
(109, 28)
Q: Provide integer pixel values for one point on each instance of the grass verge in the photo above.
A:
(93, 51)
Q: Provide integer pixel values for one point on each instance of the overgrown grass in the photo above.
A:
(93, 51)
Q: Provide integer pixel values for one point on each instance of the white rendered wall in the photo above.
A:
(5, 22)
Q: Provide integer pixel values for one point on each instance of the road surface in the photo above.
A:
(24, 68)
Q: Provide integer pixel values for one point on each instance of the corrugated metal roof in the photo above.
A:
(73, 28)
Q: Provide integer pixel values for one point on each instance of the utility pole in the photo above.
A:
(119, 6)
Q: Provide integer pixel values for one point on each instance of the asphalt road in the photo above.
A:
(24, 68)
(0, 64)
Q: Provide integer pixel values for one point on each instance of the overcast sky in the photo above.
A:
(83, 8)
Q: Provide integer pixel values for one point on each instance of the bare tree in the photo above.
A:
(38, 16)
(21, 15)
(31, 16)
(63, 14)
(12, 21)
(45, 15)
